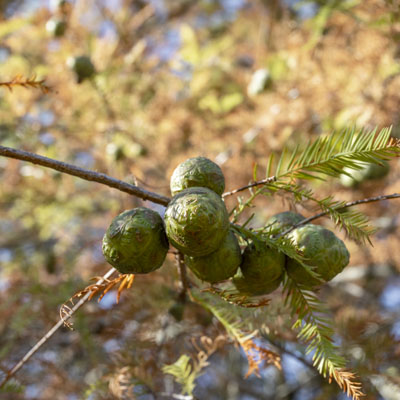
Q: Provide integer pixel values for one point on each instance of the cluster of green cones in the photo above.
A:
(196, 223)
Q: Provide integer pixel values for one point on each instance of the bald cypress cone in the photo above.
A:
(135, 242)
(220, 265)
(197, 172)
(282, 221)
(322, 250)
(196, 221)
(261, 270)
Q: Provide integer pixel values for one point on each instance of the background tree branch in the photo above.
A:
(84, 174)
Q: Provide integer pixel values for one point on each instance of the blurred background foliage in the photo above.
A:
(233, 80)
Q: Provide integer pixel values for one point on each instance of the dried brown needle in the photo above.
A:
(32, 82)
(125, 281)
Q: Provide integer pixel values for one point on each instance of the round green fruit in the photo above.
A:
(252, 288)
(82, 67)
(196, 221)
(197, 172)
(322, 250)
(262, 267)
(56, 27)
(220, 265)
(135, 242)
(369, 171)
(282, 221)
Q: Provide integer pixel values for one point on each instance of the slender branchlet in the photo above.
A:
(53, 330)
(84, 174)
(346, 205)
(251, 185)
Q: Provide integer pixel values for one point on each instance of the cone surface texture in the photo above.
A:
(135, 242)
(196, 221)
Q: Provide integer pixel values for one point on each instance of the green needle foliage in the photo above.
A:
(325, 157)
(315, 327)
(316, 330)
(328, 155)
(354, 223)
(184, 373)
(235, 321)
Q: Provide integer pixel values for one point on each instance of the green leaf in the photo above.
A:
(183, 372)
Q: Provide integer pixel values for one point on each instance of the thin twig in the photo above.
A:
(346, 205)
(53, 330)
(84, 174)
(125, 281)
(250, 185)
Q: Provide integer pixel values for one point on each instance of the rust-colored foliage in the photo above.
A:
(256, 355)
(27, 83)
(125, 281)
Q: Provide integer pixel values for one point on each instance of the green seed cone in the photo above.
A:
(262, 264)
(196, 221)
(197, 172)
(82, 67)
(284, 220)
(255, 288)
(135, 242)
(323, 250)
(261, 270)
(56, 27)
(220, 265)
